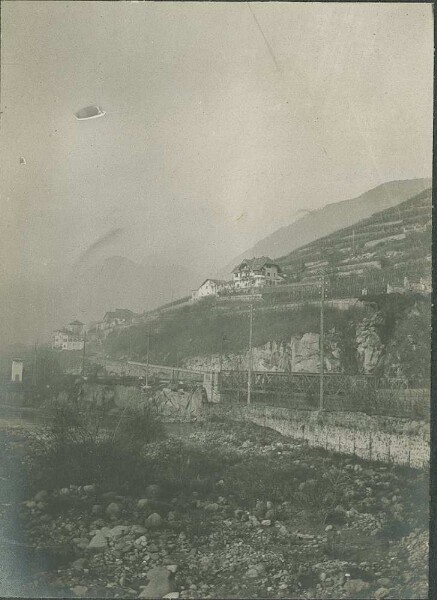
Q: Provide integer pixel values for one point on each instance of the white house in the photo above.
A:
(65, 339)
(17, 370)
(257, 272)
(210, 287)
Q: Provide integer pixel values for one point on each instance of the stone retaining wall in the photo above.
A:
(383, 439)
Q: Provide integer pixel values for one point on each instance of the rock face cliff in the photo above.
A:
(378, 344)
(300, 354)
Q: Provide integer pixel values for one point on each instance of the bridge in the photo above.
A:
(342, 392)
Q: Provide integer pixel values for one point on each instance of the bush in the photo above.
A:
(87, 445)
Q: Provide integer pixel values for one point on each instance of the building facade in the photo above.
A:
(257, 272)
(65, 339)
(210, 287)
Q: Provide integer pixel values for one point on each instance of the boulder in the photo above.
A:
(79, 590)
(118, 531)
(355, 586)
(153, 491)
(143, 503)
(213, 507)
(98, 543)
(381, 593)
(153, 521)
(41, 496)
(113, 510)
(160, 583)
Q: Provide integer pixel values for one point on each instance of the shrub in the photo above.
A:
(87, 445)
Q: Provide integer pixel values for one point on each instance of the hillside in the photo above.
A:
(332, 217)
(389, 337)
(388, 246)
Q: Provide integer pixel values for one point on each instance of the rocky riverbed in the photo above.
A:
(231, 510)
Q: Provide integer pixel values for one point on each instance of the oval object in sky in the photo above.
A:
(89, 112)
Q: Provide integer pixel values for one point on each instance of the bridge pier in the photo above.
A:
(211, 380)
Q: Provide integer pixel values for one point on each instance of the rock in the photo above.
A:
(113, 510)
(381, 593)
(172, 595)
(118, 531)
(266, 523)
(172, 568)
(238, 513)
(160, 583)
(81, 542)
(213, 507)
(252, 573)
(143, 503)
(153, 521)
(355, 586)
(384, 582)
(270, 515)
(97, 509)
(98, 543)
(40, 496)
(153, 491)
(64, 492)
(283, 531)
(41, 506)
(329, 528)
(138, 530)
(269, 505)
(79, 564)
(79, 590)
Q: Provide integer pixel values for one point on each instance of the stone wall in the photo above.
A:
(379, 438)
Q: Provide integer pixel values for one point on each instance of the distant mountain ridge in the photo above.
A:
(331, 218)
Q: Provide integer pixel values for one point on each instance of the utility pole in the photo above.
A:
(83, 354)
(249, 370)
(322, 344)
(147, 359)
(223, 340)
(34, 365)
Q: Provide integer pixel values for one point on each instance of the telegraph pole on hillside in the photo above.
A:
(147, 359)
(249, 370)
(322, 344)
(34, 365)
(83, 354)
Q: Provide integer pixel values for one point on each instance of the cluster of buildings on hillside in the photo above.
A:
(249, 274)
(74, 336)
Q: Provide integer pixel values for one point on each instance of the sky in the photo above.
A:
(223, 121)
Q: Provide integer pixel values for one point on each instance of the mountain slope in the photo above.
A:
(390, 245)
(332, 217)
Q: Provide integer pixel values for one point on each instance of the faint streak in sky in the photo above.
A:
(269, 48)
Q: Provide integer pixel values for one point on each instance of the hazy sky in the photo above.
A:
(213, 138)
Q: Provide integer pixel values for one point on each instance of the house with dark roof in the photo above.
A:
(257, 272)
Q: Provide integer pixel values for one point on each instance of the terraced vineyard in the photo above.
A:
(385, 248)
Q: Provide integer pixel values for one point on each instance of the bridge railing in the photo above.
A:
(342, 392)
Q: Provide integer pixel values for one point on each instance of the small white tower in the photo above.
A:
(17, 370)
